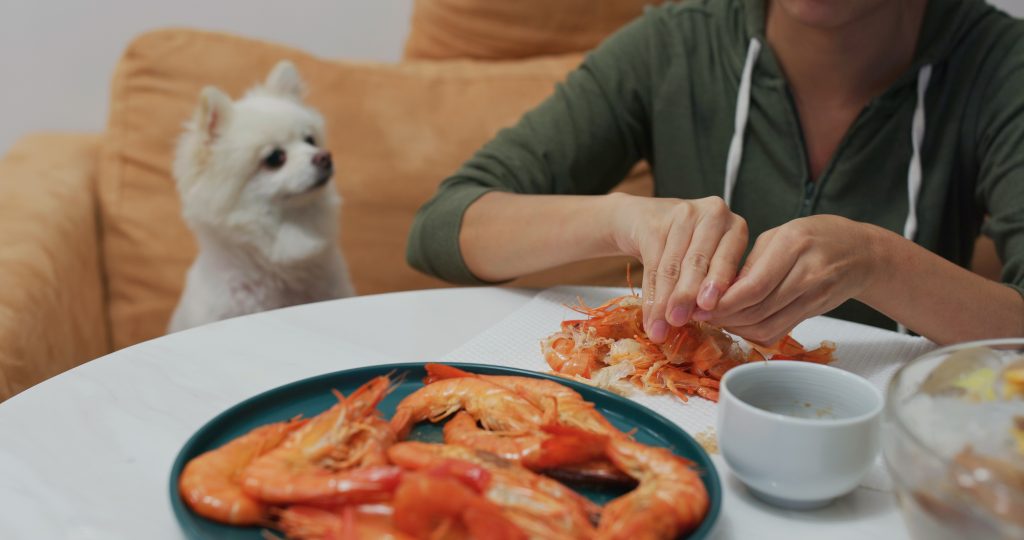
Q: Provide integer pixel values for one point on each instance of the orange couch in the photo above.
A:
(94, 250)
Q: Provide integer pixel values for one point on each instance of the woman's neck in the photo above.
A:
(848, 64)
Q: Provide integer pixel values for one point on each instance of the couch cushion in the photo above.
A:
(52, 314)
(395, 130)
(490, 29)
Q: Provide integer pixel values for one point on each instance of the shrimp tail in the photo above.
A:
(437, 372)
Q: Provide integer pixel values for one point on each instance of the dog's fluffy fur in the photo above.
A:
(266, 227)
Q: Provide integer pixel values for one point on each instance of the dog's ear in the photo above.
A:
(213, 113)
(284, 81)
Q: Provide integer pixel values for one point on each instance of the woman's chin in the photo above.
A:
(828, 13)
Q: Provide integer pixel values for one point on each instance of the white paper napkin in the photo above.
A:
(515, 341)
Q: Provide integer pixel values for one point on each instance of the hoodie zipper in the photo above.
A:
(812, 187)
(808, 203)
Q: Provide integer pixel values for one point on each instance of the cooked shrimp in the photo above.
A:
(209, 483)
(367, 446)
(365, 522)
(547, 447)
(497, 408)
(566, 356)
(314, 464)
(462, 512)
(570, 455)
(539, 506)
(463, 430)
(618, 318)
(670, 499)
(558, 402)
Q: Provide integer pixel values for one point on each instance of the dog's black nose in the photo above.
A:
(322, 160)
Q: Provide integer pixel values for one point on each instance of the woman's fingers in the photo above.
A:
(724, 265)
(767, 266)
(680, 250)
(785, 293)
(800, 269)
(696, 263)
(774, 327)
(650, 256)
(670, 268)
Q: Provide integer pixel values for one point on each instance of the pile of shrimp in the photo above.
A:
(610, 349)
(347, 472)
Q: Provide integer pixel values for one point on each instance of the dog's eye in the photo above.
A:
(276, 159)
(309, 139)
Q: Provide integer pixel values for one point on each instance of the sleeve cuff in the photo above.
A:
(433, 246)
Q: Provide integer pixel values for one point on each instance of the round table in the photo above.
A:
(86, 454)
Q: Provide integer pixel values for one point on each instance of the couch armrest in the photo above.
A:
(52, 315)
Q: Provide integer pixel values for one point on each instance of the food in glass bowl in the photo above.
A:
(954, 441)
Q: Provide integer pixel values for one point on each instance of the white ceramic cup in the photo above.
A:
(798, 434)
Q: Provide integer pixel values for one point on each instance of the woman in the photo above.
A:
(858, 145)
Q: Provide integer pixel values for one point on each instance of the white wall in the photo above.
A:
(57, 56)
(1013, 7)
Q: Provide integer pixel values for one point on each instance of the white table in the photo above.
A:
(86, 455)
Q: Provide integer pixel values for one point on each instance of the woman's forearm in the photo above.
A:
(936, 298)
(507, 235)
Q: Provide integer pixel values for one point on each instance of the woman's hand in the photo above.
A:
(803, 268)
(690, 249)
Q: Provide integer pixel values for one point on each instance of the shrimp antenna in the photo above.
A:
(396, 381)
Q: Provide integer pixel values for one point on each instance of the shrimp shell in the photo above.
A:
(210, 485)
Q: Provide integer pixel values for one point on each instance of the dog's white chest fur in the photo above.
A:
(255, 189)
(226, 282)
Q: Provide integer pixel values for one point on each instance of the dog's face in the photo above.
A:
(262, 154)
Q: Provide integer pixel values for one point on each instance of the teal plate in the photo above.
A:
(311, 396)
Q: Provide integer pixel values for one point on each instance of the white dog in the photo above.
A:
(254, 180)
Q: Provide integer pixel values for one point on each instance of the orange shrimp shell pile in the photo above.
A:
(611, 350)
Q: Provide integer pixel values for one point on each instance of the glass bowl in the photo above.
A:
(953, 440)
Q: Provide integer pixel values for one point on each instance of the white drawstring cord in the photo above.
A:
(732, 162)
(916, 137)
(914, 172)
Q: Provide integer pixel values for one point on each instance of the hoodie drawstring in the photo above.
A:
(732, 162)
(914, 173)
(916, 137)
(917, 128)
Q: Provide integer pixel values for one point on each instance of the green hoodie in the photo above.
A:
(665, 87)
